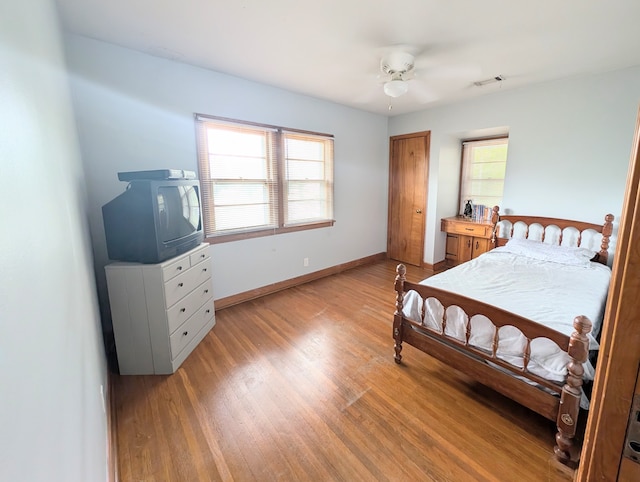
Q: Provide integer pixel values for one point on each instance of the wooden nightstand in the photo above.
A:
(466, 239)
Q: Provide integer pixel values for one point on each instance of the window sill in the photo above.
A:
(267, 232)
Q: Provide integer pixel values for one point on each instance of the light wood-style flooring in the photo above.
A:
(301, 385)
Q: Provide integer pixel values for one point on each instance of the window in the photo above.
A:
(484, 164)
(258, 180)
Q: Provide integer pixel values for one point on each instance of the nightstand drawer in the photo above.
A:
(470, 229)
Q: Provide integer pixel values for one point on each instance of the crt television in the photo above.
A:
(153, 220)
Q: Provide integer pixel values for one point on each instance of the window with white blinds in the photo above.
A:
(258, 180)
(484, 164)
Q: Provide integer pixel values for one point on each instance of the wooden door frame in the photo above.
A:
(619, 357)
(427, 136)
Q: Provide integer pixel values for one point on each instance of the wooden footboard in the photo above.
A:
(561, 405)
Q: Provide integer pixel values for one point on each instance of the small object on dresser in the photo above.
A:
(468, 209)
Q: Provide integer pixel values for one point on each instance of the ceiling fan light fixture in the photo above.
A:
(396, 88)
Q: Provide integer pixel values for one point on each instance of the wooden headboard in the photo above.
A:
(563, 232)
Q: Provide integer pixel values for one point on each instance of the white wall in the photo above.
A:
(52, 364)
(569, 148)
(135, 111)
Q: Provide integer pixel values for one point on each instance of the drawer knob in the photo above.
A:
(179, 268)
(204, 269)
(206, 291)
(203, 255)
(180, 285)
(182, 310)
(208, 311)
(468, 229)
(185, 333)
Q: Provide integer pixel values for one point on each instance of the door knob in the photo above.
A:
(419, 211)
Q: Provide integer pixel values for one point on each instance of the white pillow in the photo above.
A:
(570, 255)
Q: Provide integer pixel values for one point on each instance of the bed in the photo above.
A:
(522, 319)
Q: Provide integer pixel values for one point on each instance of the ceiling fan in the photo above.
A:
(399, 67)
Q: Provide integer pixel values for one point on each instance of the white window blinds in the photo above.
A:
(258, 178)
(308, 179)
(484, 165)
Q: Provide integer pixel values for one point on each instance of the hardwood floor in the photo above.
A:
(301, 385)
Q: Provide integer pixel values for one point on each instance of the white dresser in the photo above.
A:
(161, 311)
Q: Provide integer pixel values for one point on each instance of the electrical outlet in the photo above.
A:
(305, 262)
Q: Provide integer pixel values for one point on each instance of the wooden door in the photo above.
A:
(408, 167)
(619, 358)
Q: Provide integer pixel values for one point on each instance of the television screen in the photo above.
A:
(178, 211)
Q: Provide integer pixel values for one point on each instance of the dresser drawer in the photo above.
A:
(190, 329)
(199, 256)
(201, 273)
(176, 267)
(187, 306)
(178, 287)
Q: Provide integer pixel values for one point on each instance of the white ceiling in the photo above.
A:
(331, 49)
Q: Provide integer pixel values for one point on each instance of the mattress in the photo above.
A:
(545, 288)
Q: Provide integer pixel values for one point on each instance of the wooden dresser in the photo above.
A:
(466, 239)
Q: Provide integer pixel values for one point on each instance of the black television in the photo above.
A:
(153, 220)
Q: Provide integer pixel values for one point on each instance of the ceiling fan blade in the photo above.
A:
(451, 71)
(369, 94)
(422, 92)
(390, 49)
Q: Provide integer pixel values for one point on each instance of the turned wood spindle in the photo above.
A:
(397, 319)
(571, 392)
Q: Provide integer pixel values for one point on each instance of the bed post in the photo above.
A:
(607, 230)
(401, 269)
(571, 392)
(495, 214)
(495, 217)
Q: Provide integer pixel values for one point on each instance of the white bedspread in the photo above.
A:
(547, 292)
